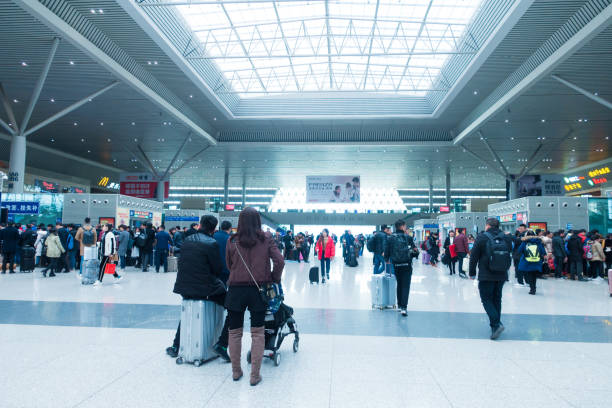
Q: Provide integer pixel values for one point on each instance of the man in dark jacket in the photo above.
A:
(28, 237)
(575, 253)
(400, 250)
(559, 254)
(221, 237)
(10, 238)
(147, 254)
(462, 247)
(380, 244)
(62, 233)
(288, 242)
(491, 276)
(199, 278)
(517, 240)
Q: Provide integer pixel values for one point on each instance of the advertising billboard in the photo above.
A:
(141, 185)
(540, 185)
(333, 189)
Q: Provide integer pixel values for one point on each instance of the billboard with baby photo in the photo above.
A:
(333, 189)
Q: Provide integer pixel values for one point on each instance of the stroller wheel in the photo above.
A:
(277, 358)
(249, 357)
(296, 345)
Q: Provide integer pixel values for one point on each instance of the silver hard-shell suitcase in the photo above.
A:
(172, 264)
(201, 325)
(384, 291)
(91, 269)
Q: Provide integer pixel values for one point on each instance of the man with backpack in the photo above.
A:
(491, 253)
(400, 250)
(71, 247)
(86, 235)
(377, 246)
(532, 252)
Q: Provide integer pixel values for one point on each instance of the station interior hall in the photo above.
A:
(421, 188)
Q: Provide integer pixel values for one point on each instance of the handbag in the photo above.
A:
(551, 263)
(271, 293)
(452, 249)
(110, 268)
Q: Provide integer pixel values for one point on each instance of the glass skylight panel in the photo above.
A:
(391, 46)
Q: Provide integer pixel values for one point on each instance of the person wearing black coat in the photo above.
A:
(10, 239)
(147, 249)
(450, 240)
(574, 257)
(199, 277)
(559, 254)
(62, 233)
(433, 249)
(28, 237)
(490, 282)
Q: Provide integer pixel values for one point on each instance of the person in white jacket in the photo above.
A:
(109, 251)
(41, 234)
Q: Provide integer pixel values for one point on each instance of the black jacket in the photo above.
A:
(380, 243)
(396, 243)
(62, 233)
(517, 240)
(478, 256)
(28, 238)
(10, 238)
(199, 268)
(558, 247)
(150, 238)
(575, 251)
(288, 241)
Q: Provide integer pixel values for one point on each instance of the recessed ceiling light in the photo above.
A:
(89, 151)
(518, 150)
(52, 140)
(511, 137)
(543, 120)
(475, 92)
(15, 100)
(133, 123)
(71, 62)
(573, 150)
(154, 62)
(148, 62)
(191, 96)
(108, 140)
(135, 139)
(52, 99)
(101, 123)
(214, 118)
(575, 137)
(607, 137)
(100, 11)
(92, 11)
(24, 64)
(83, 140)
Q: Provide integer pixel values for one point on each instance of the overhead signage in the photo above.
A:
(599, 172)
(175, 218)
(444, 208)
(141, 214)
(537, 226)
(430, 226)
(22, 207)
(540, 185)
(230, 207)
(590, 179)
(143, 189)
(135, 177)
(47, 186)
(507, 218)
(598, 180)
(333, 189)
(107, 183)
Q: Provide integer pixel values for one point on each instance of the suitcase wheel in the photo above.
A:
(197, 363)
(277, 358)
(249, 357)
(296, 345)
(179, 361)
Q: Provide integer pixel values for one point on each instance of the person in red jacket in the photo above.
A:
(463, 248)
(326, 250)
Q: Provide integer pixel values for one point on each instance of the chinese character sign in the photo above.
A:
(22, 207)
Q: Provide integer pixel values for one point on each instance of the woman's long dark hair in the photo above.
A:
(249, 228)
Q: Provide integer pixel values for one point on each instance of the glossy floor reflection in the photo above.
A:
(67, 345)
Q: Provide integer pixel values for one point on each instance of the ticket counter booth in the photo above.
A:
(113, 209)
(423, 228)
(468, 222)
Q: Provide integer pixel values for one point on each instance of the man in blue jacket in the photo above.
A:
(221, 237)
(532, 253)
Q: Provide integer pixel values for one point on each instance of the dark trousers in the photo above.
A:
(145, 258)
(240, 298)
(403, 274)
(491, 298)
(460, 257)
(105, 260)
(223, 338)
(324, 268)
(452, 266)
(8, 258)
(161, 258)
(558, 266)
(520, 276)
(575, 269)
(531, 278)
(53, 266)
(597, 269)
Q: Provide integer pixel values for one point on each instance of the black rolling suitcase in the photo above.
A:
(352, 259)
(313, 275)
(28, 259)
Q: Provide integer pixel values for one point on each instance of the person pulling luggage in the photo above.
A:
(248, 259)
(400, 251)
(199, 277)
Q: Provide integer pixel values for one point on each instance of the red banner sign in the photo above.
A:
(143, 189)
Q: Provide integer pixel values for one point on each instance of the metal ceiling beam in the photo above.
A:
(244, 50)
(189, 160)
(61, 153)
(50, 19)
(494, 154)
(477, 157)
(416, 40)
(39, 84)
(329, 55)
(365, 77)
(553, 145)
(70, 108)
(280, 26)
(586, 93)
(7, 127)
(215, 2)
(577, 41)
(149, 164)
(9, 109)
(176, 155)
(530, 161)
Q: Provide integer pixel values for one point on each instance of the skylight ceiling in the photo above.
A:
(284, 47)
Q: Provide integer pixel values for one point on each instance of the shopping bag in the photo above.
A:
(453, 250)
(551, 263)
(110, 268)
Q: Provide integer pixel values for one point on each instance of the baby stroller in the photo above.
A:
(275, 332)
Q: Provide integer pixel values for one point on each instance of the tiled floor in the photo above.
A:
(57, 365)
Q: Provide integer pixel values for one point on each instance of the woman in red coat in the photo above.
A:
(326, 249)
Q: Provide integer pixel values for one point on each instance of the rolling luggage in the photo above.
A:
(28, 259)
(201, 325)
(426, 258)
(172, 264)
(352, 259)
(313, 275)
(90, 252)
(610, 281)
(384, 291)
(91, 268)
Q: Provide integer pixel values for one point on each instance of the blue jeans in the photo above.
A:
(71, 259)
(379, 264)
(122, 262)
(161, 257)
(324, 268)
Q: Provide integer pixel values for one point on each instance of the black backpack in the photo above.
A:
(371, 244)
(498, 253)
(402, 250)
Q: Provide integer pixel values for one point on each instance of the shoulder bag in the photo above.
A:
(271, 293)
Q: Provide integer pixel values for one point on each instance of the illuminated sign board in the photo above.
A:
(573, 186)
(598, 180)
(105, 182)
(444, 208)
(47, 186)
(592, 178)
(599, 172)
(507, 218)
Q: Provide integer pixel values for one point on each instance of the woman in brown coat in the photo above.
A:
(248, 258)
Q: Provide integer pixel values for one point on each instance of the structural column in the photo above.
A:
(448, 187)
(226, 187)
(161, 191)
(512, 188)
(17, 164)
(430, 196)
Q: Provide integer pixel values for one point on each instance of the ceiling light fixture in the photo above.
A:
(507, 121)
(52, 99)
(101, 123)
(100, 11)
(133, 123)
(543, 120)
(475, 92)
(71, 62)
(52, 140)
(15, 100)
(75, 124)
(191, 96)
(24, 64)
(92, 11)
(83, 140)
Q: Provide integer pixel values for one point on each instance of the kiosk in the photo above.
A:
(111, 208)
(424, 227)
(469, 222)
